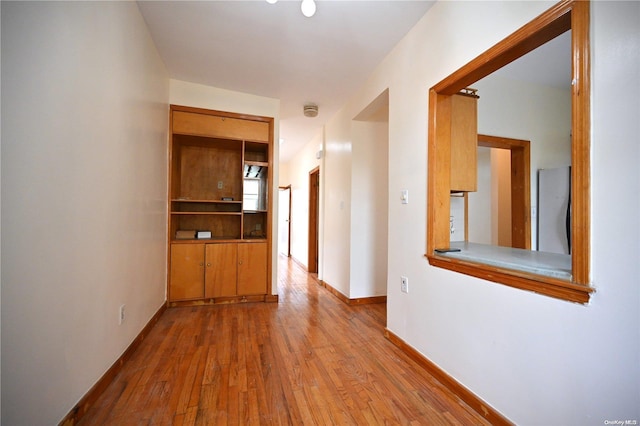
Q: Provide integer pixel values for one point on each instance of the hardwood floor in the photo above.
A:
(309, 359)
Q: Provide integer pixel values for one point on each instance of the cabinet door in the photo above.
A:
(187, 272)
(219, 127)
(221, 267)
(464, 143)
(252, 268)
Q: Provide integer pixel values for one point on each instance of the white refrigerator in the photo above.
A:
(554, 210)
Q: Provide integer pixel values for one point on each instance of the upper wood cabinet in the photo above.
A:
(216, 126)
(220, 192)
(464, 143)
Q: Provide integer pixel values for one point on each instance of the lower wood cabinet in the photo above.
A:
(187, 270)
(252, 269)
(215, 270)
(221, 273)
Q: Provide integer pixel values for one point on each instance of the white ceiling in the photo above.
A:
(549, 64)
(274, 51)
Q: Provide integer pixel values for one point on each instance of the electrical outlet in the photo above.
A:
(122, 314)
(404, 284)
(220, 184)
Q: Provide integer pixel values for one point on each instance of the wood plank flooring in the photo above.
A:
(308, 360)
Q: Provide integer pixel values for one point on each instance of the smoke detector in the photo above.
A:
(310, 110)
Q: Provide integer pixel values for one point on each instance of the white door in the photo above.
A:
(284, 218)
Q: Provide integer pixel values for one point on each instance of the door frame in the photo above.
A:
(314, 213)
(520, 186)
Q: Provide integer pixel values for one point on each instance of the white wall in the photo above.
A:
(84, 154)
(536, 359)
(353, 200)
(369, 197)
(480, 202)
(283, 177)
(298, 169)
(534, 112)
(200, 96)
(337, 203)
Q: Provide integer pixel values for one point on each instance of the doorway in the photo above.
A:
(284, 220)
(314, 212)
(518, 157)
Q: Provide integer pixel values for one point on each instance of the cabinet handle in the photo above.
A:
(208, 264)
(240, 263)
(201, 264)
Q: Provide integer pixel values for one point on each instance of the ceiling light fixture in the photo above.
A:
(308, 8)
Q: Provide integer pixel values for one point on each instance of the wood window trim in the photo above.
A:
(567, 15)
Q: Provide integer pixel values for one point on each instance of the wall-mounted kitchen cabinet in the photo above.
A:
(464, 142)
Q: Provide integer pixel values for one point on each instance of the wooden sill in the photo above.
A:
(548, 286)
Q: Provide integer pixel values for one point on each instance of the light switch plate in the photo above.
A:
(404, 196)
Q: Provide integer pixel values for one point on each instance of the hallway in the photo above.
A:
(310, 359)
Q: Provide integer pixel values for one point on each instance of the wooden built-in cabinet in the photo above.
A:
(218, 270)
(219, 206)
(464, 142)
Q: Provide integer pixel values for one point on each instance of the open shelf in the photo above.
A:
(201, 206)
(256, 152)
(221, 225)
